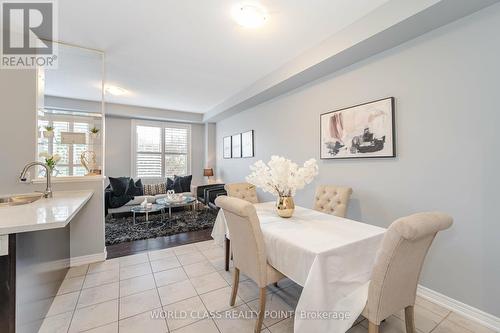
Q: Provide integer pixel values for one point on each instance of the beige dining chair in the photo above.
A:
(244, 191)
(332, 199)
(249, 251)
(395, 275)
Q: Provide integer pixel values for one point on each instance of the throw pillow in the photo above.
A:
(119, 185)
(186, 183)
(135, 189)
(177, 185)
(170, 184)
(138, 184)
(154, 189)
(182, 184)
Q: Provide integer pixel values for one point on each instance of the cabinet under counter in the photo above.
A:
(37, 258)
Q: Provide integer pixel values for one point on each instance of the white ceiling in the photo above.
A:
(190, 55)
(78, 75)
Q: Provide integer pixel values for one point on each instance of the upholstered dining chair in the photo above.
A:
(244, 191)
(395, 275)
(332, 199)
(249, 251)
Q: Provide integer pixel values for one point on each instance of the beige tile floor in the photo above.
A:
(119, 295)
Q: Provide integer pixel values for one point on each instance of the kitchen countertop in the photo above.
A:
(43, 214)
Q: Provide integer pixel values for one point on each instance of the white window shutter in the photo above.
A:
(148, 157)
(176, 151)
(161, 149)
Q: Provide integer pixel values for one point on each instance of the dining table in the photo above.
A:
(329, 256)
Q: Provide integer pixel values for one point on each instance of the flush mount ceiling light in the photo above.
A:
(114, 90)
(250, 15)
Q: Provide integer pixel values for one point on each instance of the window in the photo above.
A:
(161, 149)
(70, 163)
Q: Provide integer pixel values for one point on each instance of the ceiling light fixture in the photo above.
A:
(114, 90)
(250, 15)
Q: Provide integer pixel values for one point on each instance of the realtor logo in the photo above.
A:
(28, 31)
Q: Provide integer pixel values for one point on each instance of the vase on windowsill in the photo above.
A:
(48, 132)
(282, 177)
(94, 134)
(54, 172)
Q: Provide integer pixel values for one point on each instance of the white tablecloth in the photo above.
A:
(331, 257)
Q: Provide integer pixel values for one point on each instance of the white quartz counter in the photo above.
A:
(43, 214)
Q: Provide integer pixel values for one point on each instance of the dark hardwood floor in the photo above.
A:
(128, 248)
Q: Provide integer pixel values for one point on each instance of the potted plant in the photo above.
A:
(94, 132)
(48, 132)
(50, 160)
(282, 178)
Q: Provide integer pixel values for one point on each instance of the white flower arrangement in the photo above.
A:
(281, 176)
(50, 160)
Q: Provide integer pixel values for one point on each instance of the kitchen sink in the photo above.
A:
(21, 199)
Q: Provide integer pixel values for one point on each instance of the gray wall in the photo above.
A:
(132, 111)
(18, 119)
(87, 227)
(18, 147)
(447, 114)
(118, 148)
(124, 111)
(210, 146)
(72, 104)
(197, 152)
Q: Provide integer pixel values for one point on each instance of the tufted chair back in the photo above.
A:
(249, 250)
(243, 191)
(395, 275)
(332, 199)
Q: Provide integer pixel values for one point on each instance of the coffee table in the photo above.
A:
(186, 201)
(144, 210)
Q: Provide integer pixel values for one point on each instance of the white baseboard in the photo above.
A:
(460, 308)
(88, 259)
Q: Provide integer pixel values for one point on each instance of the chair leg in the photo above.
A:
(410, 319)
(227, 243)
(236, 281)
(276, 284)
(262, 310)
(372, 328)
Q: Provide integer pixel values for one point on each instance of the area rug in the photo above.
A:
(122, 229)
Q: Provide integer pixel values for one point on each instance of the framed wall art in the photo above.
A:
(226, 147)
(247, 144)
(236, 146)
(365, 130)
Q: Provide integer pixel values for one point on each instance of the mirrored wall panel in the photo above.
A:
(70, 114)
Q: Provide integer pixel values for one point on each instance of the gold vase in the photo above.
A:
(285, 206)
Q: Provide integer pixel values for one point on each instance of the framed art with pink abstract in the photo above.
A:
(364, 130)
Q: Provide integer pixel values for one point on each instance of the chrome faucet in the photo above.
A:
(48, 191)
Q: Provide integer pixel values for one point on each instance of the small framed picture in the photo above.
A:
(226, 143)
(236, 146)
(247, 144)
